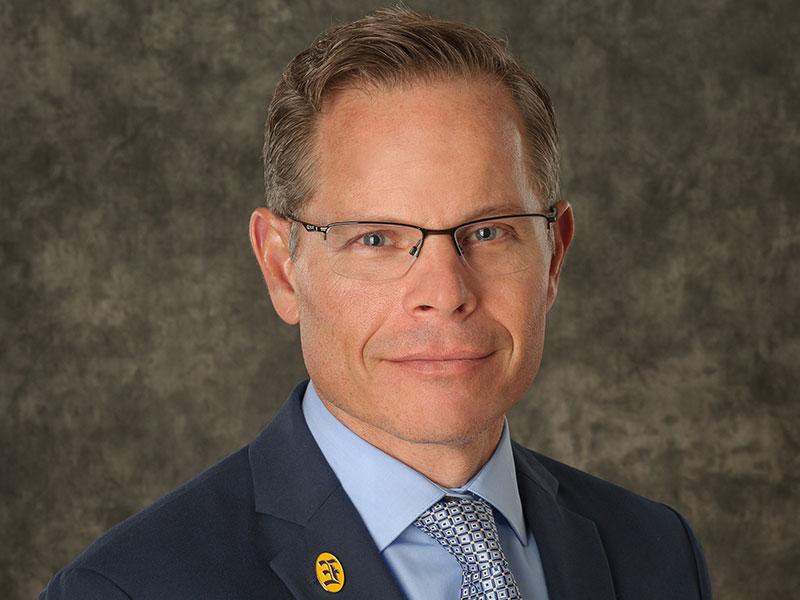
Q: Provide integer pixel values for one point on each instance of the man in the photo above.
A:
(413, 230)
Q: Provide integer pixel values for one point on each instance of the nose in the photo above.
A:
(439, 282)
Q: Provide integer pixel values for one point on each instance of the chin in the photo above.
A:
(444, 422)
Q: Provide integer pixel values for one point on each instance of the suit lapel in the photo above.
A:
(334, 528)
(293, 482)
(572, 554)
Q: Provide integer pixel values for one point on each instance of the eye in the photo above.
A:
(485, 234)
(488, 233)
(373, 239)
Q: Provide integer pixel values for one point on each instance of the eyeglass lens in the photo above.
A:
(380, 252)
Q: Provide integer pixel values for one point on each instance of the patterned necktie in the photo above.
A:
(466, 529)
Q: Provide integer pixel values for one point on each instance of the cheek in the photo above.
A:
(519, 305)
(325, 317)
(338, 316)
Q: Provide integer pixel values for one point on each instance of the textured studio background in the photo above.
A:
(139, 345)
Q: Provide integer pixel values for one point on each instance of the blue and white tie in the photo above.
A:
(466, 529)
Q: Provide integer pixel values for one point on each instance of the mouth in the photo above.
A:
(455, 363)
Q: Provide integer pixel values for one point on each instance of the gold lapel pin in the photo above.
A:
(330, 572)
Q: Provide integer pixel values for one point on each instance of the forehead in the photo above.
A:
(426, 152)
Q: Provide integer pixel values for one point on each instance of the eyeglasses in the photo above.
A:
(380, 251)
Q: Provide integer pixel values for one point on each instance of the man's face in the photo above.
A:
(442, 353)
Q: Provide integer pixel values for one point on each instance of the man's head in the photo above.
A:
(389, 48)
(399, 117)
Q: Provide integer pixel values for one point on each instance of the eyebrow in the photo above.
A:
(496, 209)
(504, 208)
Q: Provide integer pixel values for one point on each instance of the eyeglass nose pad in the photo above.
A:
(415, 249)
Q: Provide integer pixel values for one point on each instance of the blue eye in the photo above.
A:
(373, 240)
(486, 234)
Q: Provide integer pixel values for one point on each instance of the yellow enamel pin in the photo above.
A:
(330, 573)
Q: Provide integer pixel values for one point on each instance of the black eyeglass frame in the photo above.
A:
(551, 217)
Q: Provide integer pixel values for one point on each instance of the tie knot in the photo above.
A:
(467, 530)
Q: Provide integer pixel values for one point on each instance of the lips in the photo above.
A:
(440, 364)
(439, 356)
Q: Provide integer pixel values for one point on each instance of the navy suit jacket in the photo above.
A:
(253, 525)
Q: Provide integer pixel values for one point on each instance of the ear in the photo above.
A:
(269, 237)
(563, 230)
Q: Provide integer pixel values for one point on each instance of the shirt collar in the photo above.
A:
(496, 483)
(390, 495)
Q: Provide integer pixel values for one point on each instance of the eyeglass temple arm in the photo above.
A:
(552, 216)
(310, 226)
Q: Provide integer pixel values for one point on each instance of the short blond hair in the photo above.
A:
(389, 47)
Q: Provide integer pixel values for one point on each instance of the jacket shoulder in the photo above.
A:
(197, 539)
(171, 519)
(640, 536)
(587, 493)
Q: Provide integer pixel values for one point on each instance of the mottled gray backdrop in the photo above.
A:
(139, 345)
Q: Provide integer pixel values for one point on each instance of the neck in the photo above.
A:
(448, 464)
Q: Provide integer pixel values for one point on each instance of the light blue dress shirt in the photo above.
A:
(389, 496)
